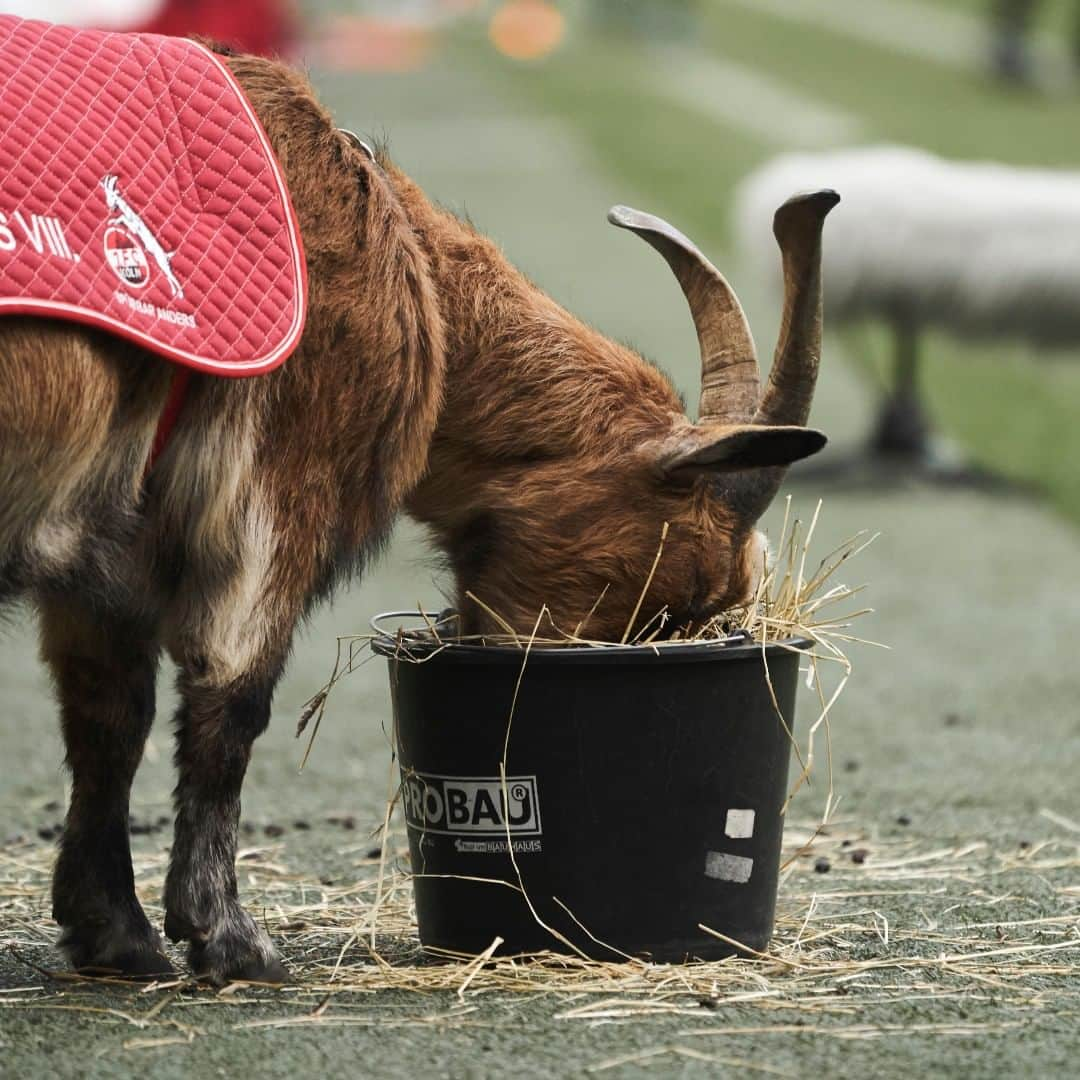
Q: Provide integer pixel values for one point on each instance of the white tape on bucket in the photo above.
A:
(723, 867)
(739, 824)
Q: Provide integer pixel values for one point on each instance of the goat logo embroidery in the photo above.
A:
(128, 242)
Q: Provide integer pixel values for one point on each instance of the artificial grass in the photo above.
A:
(1009, 406)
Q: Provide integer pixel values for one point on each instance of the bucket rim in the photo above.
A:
(420, 645)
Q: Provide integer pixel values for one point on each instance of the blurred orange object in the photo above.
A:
(526, 29)
(268, 27)
(359, 43)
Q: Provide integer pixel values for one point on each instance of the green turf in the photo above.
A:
(949, 110)
(1054, 16)
(1007, 406)
(1013, 409)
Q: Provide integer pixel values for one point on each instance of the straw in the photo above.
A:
(877, 933)
(788, 606)
(885, 935)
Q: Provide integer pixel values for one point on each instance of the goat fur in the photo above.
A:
(431, 377)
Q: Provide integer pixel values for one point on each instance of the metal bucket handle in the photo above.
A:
(437, 619)
(446, 618)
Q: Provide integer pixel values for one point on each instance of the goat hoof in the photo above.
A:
(115, 951)
(240, 952)
(271, 971)
(252, 968)
(142, 965)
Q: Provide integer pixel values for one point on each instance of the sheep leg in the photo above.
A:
(215, 731)
(902, 428)
(1011, 56)
(104, 675)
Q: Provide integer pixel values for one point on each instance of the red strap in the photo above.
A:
(169, 414)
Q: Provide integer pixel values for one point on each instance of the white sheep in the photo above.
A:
(980, 249)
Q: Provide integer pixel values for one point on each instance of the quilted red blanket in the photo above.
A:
(139, 193)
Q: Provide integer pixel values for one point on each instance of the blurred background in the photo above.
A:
(952, 340)
(675, 101)
(533, 117)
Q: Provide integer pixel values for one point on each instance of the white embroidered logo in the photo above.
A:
(129, 260)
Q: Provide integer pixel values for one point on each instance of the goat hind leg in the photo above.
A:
(104, 673)
(215, 731)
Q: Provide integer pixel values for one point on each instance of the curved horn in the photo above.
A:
(797, 228)
(729, 370)
(786, 400)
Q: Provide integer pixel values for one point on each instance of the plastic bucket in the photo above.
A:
(642, 793)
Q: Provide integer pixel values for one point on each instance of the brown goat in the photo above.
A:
(431, 377)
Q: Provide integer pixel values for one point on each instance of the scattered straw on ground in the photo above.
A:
(869, 926)
(891, 922)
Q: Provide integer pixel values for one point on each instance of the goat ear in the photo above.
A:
(734, 447)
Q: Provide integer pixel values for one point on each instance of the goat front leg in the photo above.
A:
(215, 729)
(104, 671)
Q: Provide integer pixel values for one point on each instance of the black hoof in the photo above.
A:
(107, 952)
(232, 947)
(267, 972)
(219, 963)
(138, 966)
(271, 972)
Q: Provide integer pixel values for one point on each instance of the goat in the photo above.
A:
(431, 378)
(980, 249)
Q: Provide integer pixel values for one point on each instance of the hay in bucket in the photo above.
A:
(798, 599)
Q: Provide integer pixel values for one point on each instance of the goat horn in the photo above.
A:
(797, 227)
(786, 400)
(729, 370)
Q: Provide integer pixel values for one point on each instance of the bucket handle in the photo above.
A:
(446, 618)
(428, 618)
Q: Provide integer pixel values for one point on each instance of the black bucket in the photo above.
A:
(642, 793)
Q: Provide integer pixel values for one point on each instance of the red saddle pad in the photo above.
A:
(139, 193)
